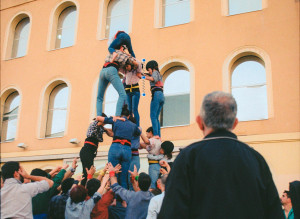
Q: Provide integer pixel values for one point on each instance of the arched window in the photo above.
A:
(117, 17)
(10, 117)
(175, 12)
(65, 33)
(176, 110)
(243, 6)
(57, 111)
(248, 86)
(20, 39)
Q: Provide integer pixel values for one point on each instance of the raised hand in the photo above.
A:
(134, 173)
(163, 171)
(118, 168)
(74, 163)
(79, 177)
(91, 171)
(23, 172)
(65, 166)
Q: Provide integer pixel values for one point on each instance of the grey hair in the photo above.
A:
(219, 110)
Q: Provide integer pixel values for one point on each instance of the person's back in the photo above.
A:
(220, 177)
(57, 205)
(125, 129)
(234, 180)
(15, 196)
(14, 192)
(40, 202)
(77, 206)
(137, 202)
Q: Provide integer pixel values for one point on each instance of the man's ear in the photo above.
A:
(200, 123)
(236, 121)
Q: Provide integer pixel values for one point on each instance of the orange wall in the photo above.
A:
(205, 42)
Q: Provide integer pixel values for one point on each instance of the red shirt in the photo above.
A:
(100, 211)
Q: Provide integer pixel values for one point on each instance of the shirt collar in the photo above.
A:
(220, 133)
(12, 181)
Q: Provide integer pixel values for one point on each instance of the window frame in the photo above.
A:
(10, 35)
(52, 33)
(55, 135)
(167, 72)
(44, 103)
(62, 28)
(225, 8)
(159, 14)
(4, 95)
(249, 51)
(164, 14)
(102, 20)
(240, 61)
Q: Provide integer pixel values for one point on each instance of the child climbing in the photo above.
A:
(158, 98)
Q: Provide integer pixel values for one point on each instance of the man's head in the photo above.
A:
(78, 194)
(285, 198)
(92, 186)
(66, 185)
(11, 170)
(149, 132)
(39, 172)
(125, 111)
(218, 111)
(144, 181)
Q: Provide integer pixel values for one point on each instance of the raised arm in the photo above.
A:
(72, 169)
(109, 132)
(145, 139)
(23, 172)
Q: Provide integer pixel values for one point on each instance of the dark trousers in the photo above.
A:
(87, 154)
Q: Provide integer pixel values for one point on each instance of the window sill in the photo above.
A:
(228, 15)
(174, 126)
(19, 57)
(102, 39)
(253, 120)
(59, 48)
(163, 27)
(2, 142)
(50, 137)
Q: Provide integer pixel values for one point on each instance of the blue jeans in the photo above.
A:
(107, 75)
(122, 39)
(154, 173)
(135, 160)
(120, 154)
(133, 99)
(157, 102)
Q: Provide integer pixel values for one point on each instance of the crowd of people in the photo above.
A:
(217, 177)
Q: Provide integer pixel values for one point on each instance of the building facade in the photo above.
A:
(52, 53)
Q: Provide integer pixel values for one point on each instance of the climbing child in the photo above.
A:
(158, 98)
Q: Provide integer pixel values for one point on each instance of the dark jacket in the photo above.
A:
(220, 177)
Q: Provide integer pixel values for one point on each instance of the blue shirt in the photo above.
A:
(137, 202)
(290, 215)
(123, 129)
(57, 206)
(82, 209)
